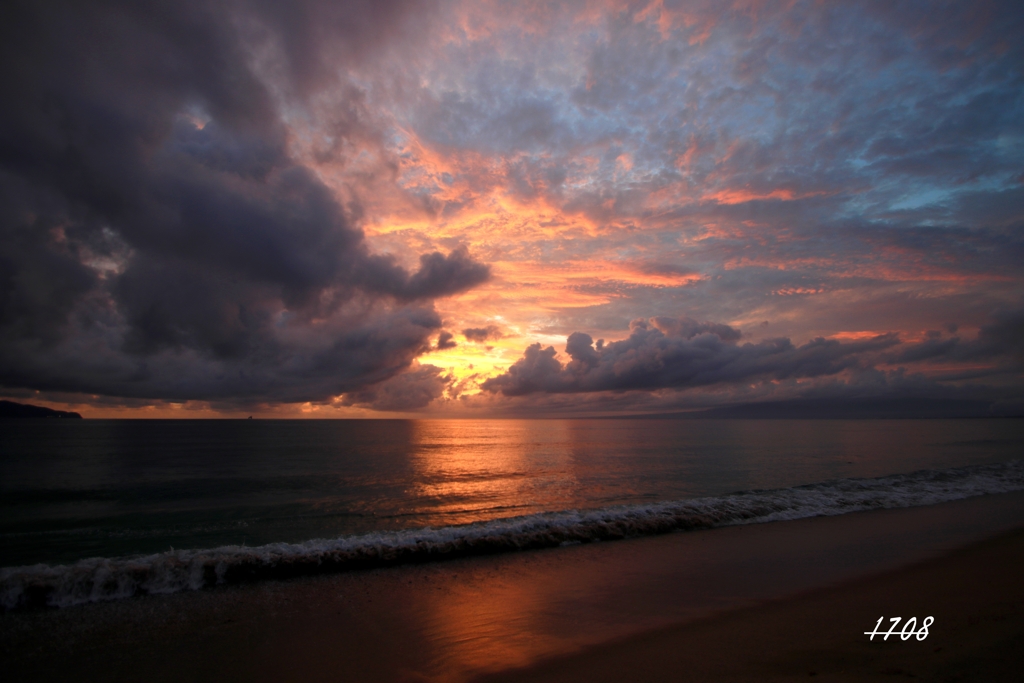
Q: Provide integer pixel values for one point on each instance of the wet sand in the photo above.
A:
(758, 602)
(975, 595)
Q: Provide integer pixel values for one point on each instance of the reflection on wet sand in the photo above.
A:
(485, 615)
(450, 622)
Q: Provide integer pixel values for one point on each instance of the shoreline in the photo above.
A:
(101, 579)
(975, 635)
(465, 618)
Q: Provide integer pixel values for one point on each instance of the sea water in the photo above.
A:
(103, 509)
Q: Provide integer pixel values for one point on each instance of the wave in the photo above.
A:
(101, 579)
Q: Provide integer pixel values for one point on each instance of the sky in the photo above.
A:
(452, 209)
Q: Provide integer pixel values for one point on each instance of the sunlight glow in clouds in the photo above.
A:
(303, 214)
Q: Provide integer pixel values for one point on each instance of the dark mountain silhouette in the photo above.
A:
(894, 408)
(846, 409)
(12, 409)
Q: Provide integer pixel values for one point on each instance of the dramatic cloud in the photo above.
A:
(409, 391)
(482, 334)
(237, 202)
(1001, 339)
(445, 340)
(160, 235)
(675, 353)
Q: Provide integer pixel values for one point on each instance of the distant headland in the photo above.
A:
(12, 409)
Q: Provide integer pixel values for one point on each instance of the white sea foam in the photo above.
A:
(99, 579)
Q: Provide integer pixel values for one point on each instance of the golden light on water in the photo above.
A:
(474, 470)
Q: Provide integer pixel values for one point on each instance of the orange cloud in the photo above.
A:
(791, 291)
(667, 19)
(730, 196)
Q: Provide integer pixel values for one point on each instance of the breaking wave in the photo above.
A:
(100, 579)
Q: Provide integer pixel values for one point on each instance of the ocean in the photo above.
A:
(94, 510)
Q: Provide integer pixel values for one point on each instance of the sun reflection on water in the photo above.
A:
(473, 470)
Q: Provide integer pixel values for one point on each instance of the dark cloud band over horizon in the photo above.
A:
(679, 354)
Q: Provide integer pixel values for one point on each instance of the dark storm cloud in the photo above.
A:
(408, 391)
(301, 363)
(675, 353)
(856, 393)
(480, 335)
(157, 235)
(445, 340)
(440, 275)
(1001, 339)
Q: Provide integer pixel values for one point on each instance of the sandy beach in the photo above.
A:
(759, 602)
(975, 595)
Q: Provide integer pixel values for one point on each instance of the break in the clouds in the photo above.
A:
(234, 202)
